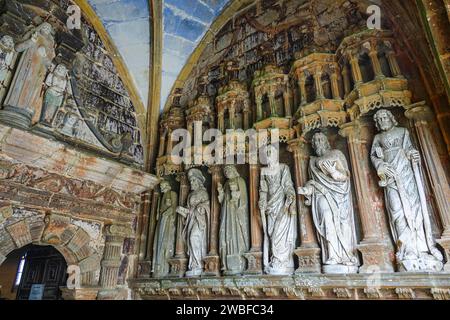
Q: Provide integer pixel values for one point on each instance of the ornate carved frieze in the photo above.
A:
(54, 183)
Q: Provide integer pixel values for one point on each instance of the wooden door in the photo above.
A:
(44, 265)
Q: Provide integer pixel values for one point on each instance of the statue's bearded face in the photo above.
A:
(320, 144)
(384, 121)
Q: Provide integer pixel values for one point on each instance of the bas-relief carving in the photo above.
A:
(329, 194)
(398, 165)
(44, 180)
(279, 219)
(107, 110)
(197, 215)
(56, 83)
(234, 222)
(38, 52)
(164, 243)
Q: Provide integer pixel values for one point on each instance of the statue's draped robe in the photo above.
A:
(30, 73)
(234, 227)
(410, 231)
(196, 229)
(164, 243)
(53, 97)
(332, 210)
(281, 222)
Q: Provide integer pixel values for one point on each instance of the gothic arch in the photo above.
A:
(70, 240)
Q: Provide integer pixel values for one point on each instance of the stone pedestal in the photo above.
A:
(178, 266)
(308, 260)
(89, 293)
(144, 269)
(254, 262)
(211, 265)
(377, 257)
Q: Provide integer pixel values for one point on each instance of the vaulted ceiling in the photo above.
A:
(128, 22)
(185, 23)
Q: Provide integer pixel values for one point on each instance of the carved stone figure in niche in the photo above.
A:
(398, 165)
(329, 194)
(234, 222)
(163, 246)
(197, 216)
(6, 57)
(37, 54)
(70, 122)
(56, 83)
(278, 214)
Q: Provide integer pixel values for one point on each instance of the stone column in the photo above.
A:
(152, 224)
(190, 128)
(287, 96)
(232, 113)
(114, 237)
(376, 66)
(198, 140)
(246, 113)
(302, 87)
(169, 142)
(393, 65)
(178, 264)
(335, 86)
(221, 120)
(254, 256)
(272, 103)
(309, 252)
(318, 83)
(346, 78)
(356, 70)
(422, 116)
(162, 144)
(212, 263)
(259, 113)
(144, 260)
(374, 246)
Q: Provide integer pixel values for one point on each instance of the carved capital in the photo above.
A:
(419, 112)
(117, 230)
(299, 147)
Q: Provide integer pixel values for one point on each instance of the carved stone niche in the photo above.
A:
(170, 121)
(272, 82)
(233, 103)
(378, 82)
(323, 106)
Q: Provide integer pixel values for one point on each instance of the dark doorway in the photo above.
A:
(36, 265)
